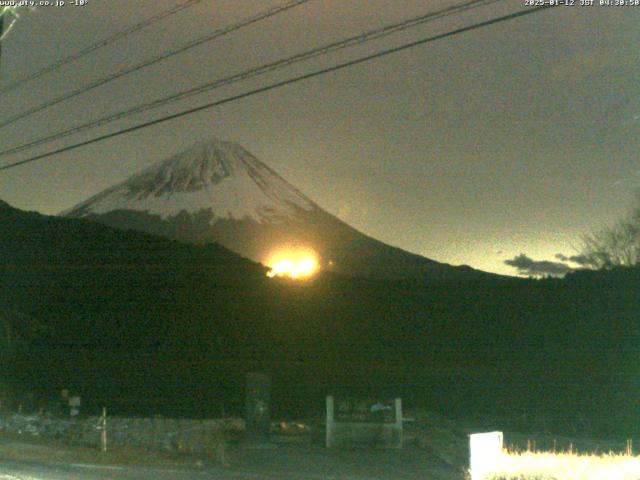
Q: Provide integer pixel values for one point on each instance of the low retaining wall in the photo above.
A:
(185, 435)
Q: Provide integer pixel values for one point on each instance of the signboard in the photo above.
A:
(364, 421)
(368, 411)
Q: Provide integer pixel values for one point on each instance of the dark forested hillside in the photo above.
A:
(144, 324)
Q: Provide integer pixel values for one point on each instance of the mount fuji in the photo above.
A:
(217, 191)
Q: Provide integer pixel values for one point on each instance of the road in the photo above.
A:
(31, 470)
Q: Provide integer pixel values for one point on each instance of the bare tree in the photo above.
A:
(614, 246)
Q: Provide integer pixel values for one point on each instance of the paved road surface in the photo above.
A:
(288, 463)
(29, 470)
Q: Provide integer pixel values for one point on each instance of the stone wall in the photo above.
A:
(185, 435)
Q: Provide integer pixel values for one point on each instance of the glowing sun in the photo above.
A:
(293, 264)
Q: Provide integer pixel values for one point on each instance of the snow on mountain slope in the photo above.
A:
(220, 176)
(218, 192)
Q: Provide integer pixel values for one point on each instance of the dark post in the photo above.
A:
(257, 408)
(1, 32)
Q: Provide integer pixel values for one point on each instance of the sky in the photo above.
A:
(515, 139)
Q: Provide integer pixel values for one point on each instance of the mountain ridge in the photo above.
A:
(113, 307)
(199, 169)
(218, 191)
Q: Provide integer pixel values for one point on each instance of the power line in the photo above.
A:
(283, 83)
(257, 71)
(163, 56)
(102, 43)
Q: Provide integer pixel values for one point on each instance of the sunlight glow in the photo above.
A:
(490, 461)
(566, 466)
(293, 264)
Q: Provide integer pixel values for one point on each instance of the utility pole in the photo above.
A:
(1, 31)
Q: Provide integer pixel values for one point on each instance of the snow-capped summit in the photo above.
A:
(218, 192)
(218, 176)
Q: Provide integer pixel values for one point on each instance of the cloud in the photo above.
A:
(528, 266)
(579, 259)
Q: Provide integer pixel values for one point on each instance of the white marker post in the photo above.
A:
(485, 450)
(103, 428)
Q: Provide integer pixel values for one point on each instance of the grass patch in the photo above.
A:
(565, 466)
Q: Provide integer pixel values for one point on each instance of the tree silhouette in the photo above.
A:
(615, 246)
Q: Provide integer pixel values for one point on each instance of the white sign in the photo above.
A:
(485, 450)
